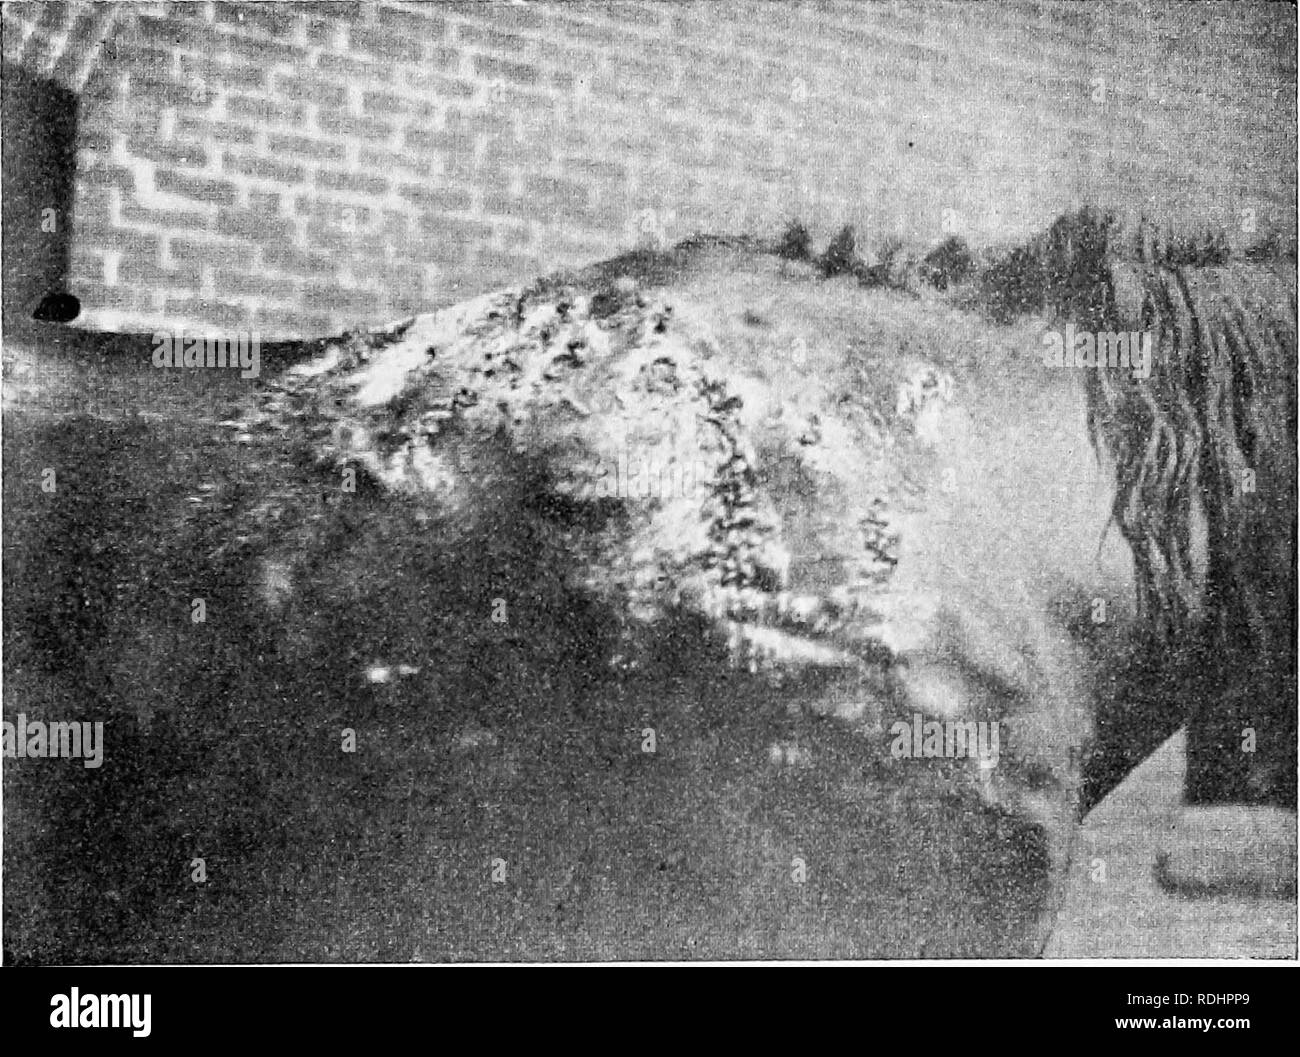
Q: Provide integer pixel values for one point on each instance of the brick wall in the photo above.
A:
(297, 168)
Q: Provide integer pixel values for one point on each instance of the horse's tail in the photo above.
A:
(1213, 425)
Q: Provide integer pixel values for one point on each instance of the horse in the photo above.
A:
(843, 689)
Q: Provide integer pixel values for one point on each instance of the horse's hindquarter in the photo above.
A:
(999, 504)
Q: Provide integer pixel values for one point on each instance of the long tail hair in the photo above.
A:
(1214, 421)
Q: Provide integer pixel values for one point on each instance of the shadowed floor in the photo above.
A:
(1128, 915)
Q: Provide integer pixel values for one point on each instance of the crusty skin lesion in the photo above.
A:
(558, 367)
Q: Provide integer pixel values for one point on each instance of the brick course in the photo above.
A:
(304, 167)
